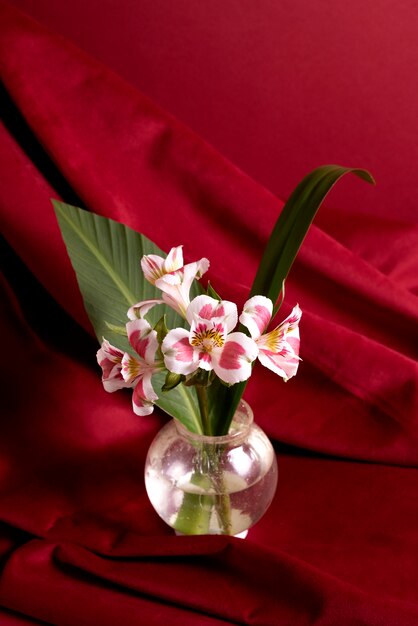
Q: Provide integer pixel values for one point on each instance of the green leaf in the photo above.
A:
(161, 329)
(212, 293)
(292, 226)
(119, 330)
(106, 259)
(284, 244)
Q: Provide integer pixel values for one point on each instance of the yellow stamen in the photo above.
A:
(207, 339)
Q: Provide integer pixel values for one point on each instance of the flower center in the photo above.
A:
(208, 338)
(273, 341)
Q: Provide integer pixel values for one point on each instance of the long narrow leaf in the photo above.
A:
(283, 246)
(293, 224)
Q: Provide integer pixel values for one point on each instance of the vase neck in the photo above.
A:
(239, 429)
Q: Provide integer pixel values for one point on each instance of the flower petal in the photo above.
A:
(292, 336)
(175, 302)
(110, 360)
(293, 319)
(140, 309)
(193, 271)
(144, 396)
(132, 369)
(232, 363)
(169, 279)
(153, 267)
(174, 260)
(143, 339)
(108, 353)
(256, 315)
(179, 356)
(285, 365)
(205, 361)
(175, 293)
(284, 336)
(202, 267)
(176, 285)
(279, 349)
(207, 308)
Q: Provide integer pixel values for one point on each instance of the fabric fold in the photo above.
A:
(338, 543)
(142, 164)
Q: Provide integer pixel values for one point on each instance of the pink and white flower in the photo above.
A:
(121, 369)
(110, 360)
(172, 277)
(278, 349)
(210, 344)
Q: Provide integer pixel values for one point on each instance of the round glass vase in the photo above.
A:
(203, 485)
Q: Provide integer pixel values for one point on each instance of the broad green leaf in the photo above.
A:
(106, 258)
(284, 244)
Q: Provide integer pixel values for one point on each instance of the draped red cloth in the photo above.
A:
(80, 543)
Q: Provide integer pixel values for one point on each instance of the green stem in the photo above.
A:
(202, 398)
(223, 503)
(196, 510)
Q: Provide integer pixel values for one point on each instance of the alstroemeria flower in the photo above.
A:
(278, 349)
(210, 344)
(121, 369)
(110, 360)
(173, 277)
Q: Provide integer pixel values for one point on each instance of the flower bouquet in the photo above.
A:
(210, 470)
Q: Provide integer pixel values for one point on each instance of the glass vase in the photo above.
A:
(212, 485)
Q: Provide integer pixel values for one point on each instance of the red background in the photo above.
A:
(278, 86)
(79, 542)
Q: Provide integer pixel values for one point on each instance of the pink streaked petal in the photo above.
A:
(132, 368)
(112, 378)
(205, 361)
(274, 340)
(228, 312)
(179, 355)
(284, 337)
(110, 360)
(232, 363)
(143, 339)
(174, 260)
(114, 382)
(294, 318)
(284, 366)
(107, 365)
(144, 396)
(169, 279)
(208, 308)
(201, 304)
(294, 343)
(140, 309)
(201, 326)
(256, 315)
(153, 267)
(107, 351)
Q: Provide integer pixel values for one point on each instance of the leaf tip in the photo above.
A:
(365, 175)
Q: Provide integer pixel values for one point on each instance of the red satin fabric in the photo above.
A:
(80, 543)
